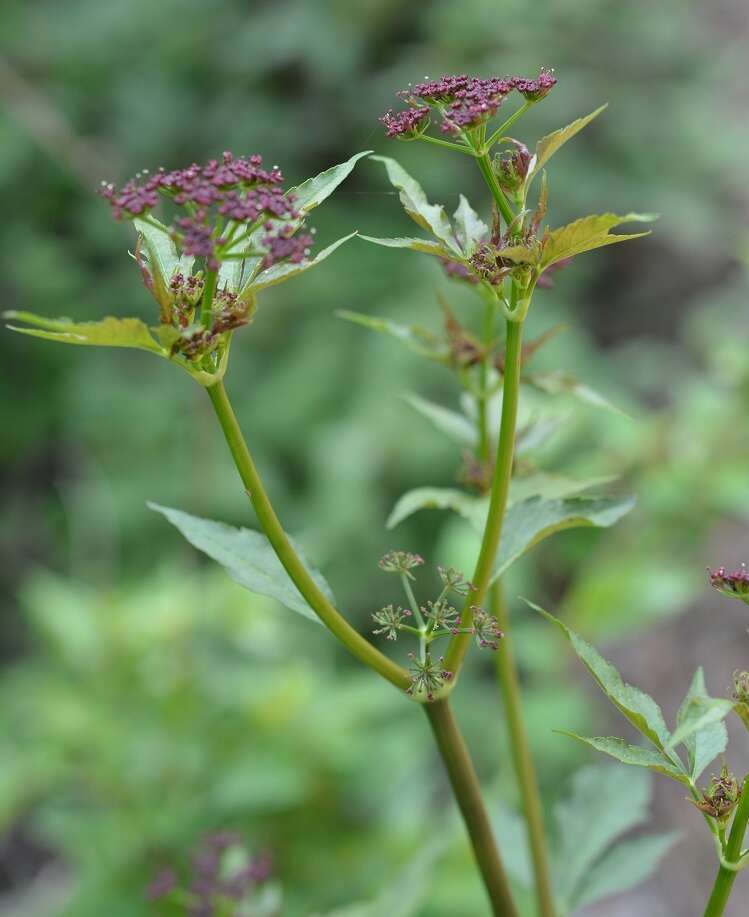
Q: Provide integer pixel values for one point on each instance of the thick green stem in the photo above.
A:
(483, 399)
(727, 876)
(484, 163)
(498, 501)
(467, 792)
(330, 616)
(522, 760)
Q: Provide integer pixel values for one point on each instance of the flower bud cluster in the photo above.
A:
(735, 585)
(216, 199)
(231, 208)
(721, 797)
(463, 102)
(511, 167)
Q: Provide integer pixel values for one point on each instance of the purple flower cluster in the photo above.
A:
(230, 189)
(464, 102)
(285, 246)
(216, 876)
(735, 584)
(406, 124)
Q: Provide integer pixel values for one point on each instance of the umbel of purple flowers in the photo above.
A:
(236, 191)
(462, 102)
(230, 209)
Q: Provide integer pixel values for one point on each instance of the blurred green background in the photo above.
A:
(145, 699)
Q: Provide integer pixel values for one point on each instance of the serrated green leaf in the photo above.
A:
(586, 234)
(431, 217)
(312, 192)
(247, 557)
(109, 332)
(277, 273)
(416, 338)
(605, 801)
(457, 426)
(547, 146)
(629, 864)
(433, 498)
(703, 746)
(634, 755)
(530, 521)
(701, 712)
(699, 725)
(637, 706)
(470, 229)
(474, 509)
(562, 383)
(427, 246)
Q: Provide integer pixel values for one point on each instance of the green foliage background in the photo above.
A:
(144, 698)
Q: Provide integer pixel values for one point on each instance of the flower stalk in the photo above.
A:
(499, 492)
(266, 515)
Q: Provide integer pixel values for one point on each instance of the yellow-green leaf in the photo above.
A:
(548, 145)
(588, 233)
(427, 246)
(109, 332)
(312, 192)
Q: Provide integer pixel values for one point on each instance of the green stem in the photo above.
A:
(522, 759)
(488, 144)
(483, 398)
(416, 611)
(209, 289)
(459, 147)
(467, 793)
(726, 876)
(330, 616)
(484, 163)
(498, 500)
